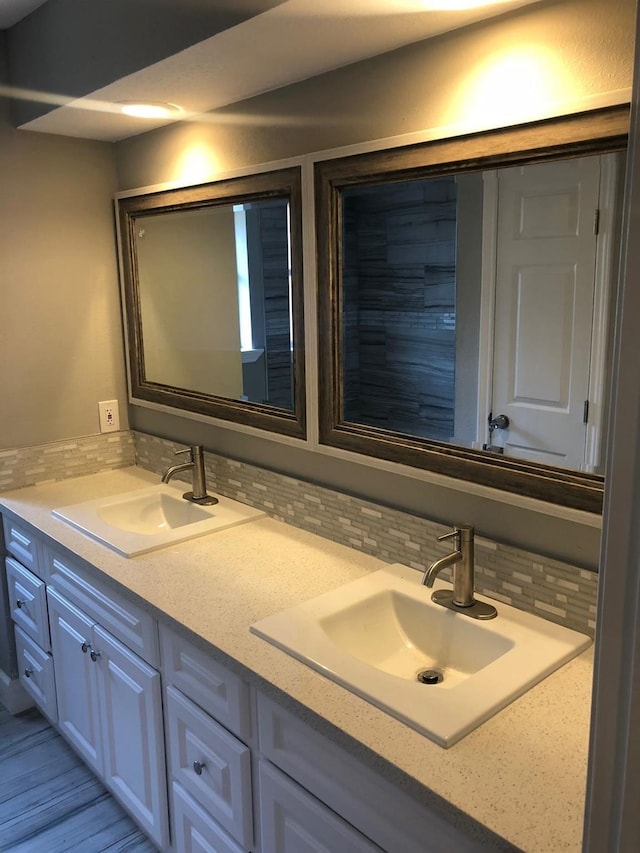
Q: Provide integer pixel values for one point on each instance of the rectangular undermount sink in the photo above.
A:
(150, 518)
(440, 672)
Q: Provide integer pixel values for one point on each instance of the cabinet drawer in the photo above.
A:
(292, 820)
(391, 818)
(194, 831)
(36, 674)
(122, 618)
(219, 692)
(211, 764)
(20, 541)
(28, 603)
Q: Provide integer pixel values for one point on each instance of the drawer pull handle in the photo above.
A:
(198, 767)
(94, 655)
(19, 603)
(28, 672)
(85, 647)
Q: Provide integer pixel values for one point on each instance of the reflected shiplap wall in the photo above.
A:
(400, 306)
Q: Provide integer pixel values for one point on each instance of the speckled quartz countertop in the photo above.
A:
(521, 775)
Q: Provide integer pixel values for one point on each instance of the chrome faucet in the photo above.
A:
(461, 598)
(198, 493)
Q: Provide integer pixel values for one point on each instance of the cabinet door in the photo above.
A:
(133, 743)
(292, 821)
(76, 678)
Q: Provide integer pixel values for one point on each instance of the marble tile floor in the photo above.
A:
(50, 802)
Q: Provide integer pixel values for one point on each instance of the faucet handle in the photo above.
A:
(455, 532)
(186, 450)
(461, 532)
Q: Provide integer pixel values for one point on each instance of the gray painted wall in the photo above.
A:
(60, 334)
(585, 50)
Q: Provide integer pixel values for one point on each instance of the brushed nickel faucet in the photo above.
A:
(198, 493)
(460, 599)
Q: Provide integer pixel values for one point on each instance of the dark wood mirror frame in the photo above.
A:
(587, 133)
(278, 184)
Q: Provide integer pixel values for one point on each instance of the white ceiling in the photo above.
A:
(293, 41)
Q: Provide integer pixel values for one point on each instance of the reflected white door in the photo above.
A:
(544, 297)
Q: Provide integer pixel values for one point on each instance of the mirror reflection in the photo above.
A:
(212, 286)
(466, 299)
(423, 258)
(227, 329)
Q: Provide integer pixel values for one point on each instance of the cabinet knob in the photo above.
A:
(28, 672)
(94, 655)
(85, 647)
(19, 603)
(198, 767)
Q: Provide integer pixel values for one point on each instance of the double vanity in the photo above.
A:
(155, 668)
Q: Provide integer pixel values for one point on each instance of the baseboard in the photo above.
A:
(13, 695)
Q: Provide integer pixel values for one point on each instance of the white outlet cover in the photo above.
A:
(109, 416)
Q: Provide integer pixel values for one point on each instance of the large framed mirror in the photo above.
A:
(212, 290)
(465, 303)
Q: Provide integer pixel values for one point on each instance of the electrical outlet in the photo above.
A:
(109, 416)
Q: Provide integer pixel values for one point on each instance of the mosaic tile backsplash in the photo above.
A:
(29, 466)
(557, 591)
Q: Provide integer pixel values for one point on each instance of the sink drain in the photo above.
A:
(430, 676)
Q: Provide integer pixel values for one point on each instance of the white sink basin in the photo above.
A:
(147, 519)
(375, 635)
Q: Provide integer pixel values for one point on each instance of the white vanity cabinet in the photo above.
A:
(22, 544)
(386, 818)
(292, 820)
(35, 669)
(230, 768)
(28, 603)
(109, 698)
(76, 679)
(28, 608)
(207, 712)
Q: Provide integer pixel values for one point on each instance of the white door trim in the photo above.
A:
(607, 249)
(487, 303)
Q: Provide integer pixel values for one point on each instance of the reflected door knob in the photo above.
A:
(499, 422)
(28, 672)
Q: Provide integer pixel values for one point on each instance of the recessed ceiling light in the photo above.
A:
(149, 109)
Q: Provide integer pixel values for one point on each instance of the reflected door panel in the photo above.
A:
(545, 277)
